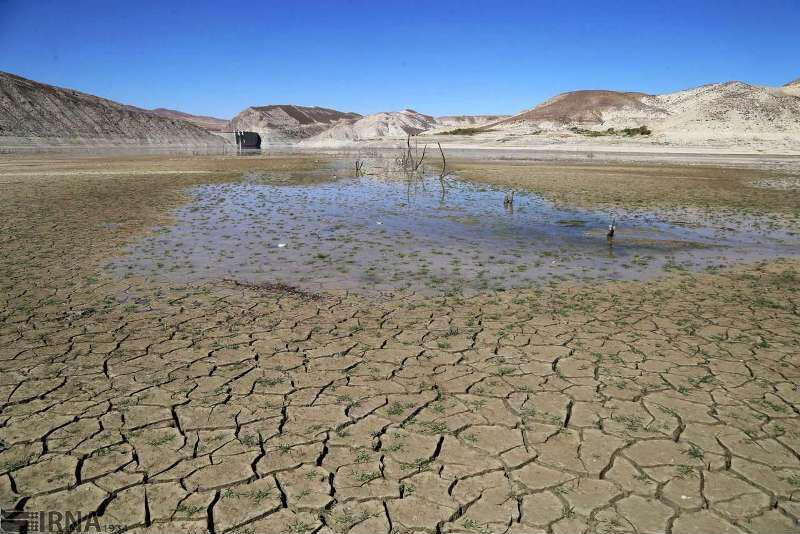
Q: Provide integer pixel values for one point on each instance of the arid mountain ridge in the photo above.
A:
(33, 113)
(285, 123)
(212, 124)
(730, 112)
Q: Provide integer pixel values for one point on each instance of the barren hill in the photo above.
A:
(586, 107)
(33, 113)
(287, 123)
(729, 110)
(212, 124)
(791, 88)
(733, 113)
(384, 125)
(468, 120)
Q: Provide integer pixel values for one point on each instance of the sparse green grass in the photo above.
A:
(398, 408)
(13, 465)
(684, 471)
(365, 477)
(466, 131)
(299, 527)
(259, 496)
(475, 526)
(161, 441)
(625, 132)
(694, 451)
(419, 465)
(189, 510)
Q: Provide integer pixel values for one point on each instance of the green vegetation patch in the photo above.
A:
(625, 132)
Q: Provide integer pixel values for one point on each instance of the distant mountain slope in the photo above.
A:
(728, 109)
(720, 111)
(33, 112)
(461, 121)
(287, 123)
(212, 124)
(792, 88)
(586, 107)
(383, 125)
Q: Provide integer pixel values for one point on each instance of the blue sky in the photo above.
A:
(439, 57)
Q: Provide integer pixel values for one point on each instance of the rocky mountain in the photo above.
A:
(383, 125)
(287, 123)
(33, 113)
(212, 124)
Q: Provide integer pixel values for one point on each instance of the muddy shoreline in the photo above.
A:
(222, 406)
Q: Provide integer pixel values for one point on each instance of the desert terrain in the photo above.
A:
(35, 116)
(399, 322)
(731, 117)
(157, 379)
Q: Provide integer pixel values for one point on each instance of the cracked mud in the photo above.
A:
(666, 406)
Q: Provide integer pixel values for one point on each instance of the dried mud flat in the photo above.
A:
(666, 406)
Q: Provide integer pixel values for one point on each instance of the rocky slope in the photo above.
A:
(791, 88)
(735, 115)
(467, 121)
(731, 114)
(728, 113)
(384, 125)
(212, 124)
(288, 124)
(585, 107)
(728, 110)
(36, 114)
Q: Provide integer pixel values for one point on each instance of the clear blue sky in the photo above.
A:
(439, 57)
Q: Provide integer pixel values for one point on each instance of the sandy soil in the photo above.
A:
(641, 185)
(624, 407)
(567, 145)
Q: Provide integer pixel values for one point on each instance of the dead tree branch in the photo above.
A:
(422, 158)
(444, 162)
(409, 160)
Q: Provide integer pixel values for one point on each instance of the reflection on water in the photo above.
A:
(366, 234)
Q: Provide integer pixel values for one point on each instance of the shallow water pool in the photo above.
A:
(368, 234)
